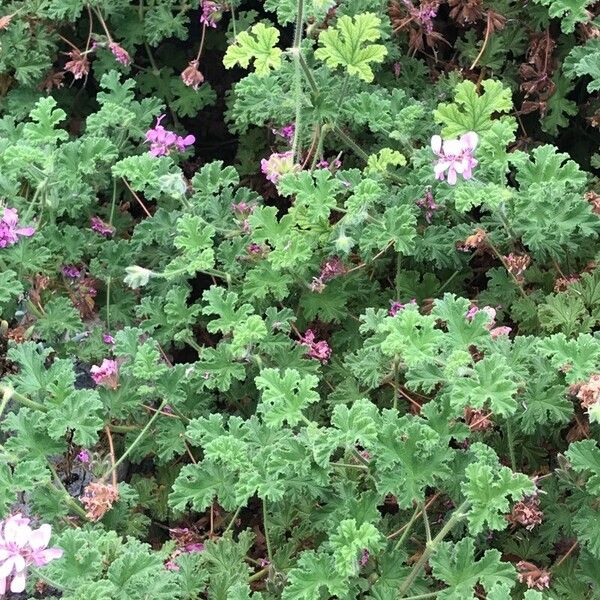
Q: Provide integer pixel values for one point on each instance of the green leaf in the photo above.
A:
(398, 228)
(285, 396)
(313, 574)
(584, 61)
(347, 45)
(487, 489)
(349, 541)
(259, 44)
(45, 117)
(455, 565)
(222, 303)
(386, 157)
(491, 380)
(584, 456)
(315, 192)
(570, 12)
(10, 289)
(473, 112)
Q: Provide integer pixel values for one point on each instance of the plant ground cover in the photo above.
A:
(300, 299)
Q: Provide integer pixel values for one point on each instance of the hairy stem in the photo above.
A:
(457, 516)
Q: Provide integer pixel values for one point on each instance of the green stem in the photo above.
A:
(5, 400)
(511, 445)
(297, 76)
(197, 347)
(307, 73)
(457, 516)
(426, 524)
(233, 519)
(11, 394)
(47, 580)
(233, 25)
(266, 528)
(137, 440)
(351, 143)
(423, 596)
(350, 466)
(407, 529)
(259, 575)
(68, 499)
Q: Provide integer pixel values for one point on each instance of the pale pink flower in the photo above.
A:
(318, 350)
(455, 156)
(121, 55)
(498, 331)
(278, 164)
(396, 307)
(162, 141)
(10, 230)
(491, 324)
(21, 547)
(98, 225)
(107, 374)
(211, 13)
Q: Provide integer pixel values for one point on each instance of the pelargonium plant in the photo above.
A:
(299, 300)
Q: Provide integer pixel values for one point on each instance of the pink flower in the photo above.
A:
(83, 457)
(286, 132)
(211, 13)
(336, 163)
(364, 558)
(498, 331)
(194, 547)
(97, 224)
(171, 565)
(455, 156)
(330, 269)
(71, 271)
(398, 306)
(192, 76)
(121, 55)
(162, 141)
(318, 350)
(278, 164)
(21, 547)
(9, 229)
(427, 203)
(107, 374)
(491, 324)
(108, 339)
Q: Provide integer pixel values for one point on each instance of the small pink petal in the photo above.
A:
(39, 538)
(436, 144)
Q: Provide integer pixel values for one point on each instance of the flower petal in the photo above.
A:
(39, 538)
(469, 140)
(436, 144)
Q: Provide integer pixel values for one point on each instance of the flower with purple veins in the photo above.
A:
(71, 271)
(22, 547)
(211, 13)
(121, 55)
(101, 227)
(10, 230)
(107, 374)
(317, 350)
(162, 141)
(278, 164)
(396, 307)
(455, 156)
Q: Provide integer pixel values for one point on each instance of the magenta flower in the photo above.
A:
(10, 230)
(107, 374)
(318, 350)
(286, 132)
(455, 156)
(83, 457)
(162, 141)
(71, 271)
(211, 13)
(98, 225)
(121, 55)
(21, 547)
(278, 164)
(427, 203)
(396, 307)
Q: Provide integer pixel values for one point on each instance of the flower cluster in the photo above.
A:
(517, 264)
(121, 55)
(192, 76)
(533, 577)
(22, 547)
(490, 326)
(455, 156)
(98, 498)
(211, 13)
(318, 350)
(527, 512)
(330, 269)
(107, 374)
(396, 307)
(101, 227)
(278, 164)
(10, 230)
(427, 203)
(162, 141)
